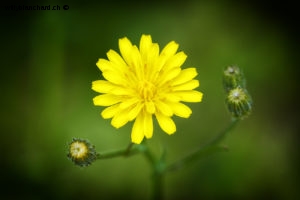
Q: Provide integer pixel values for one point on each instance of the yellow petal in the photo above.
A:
(114, 57)
(189, 96)
(184, 76)
(145, 45)
(175, 61)
(137, 135)
(125, 47)
(120, 119)
(150, 107)
(180, 109)
(163, 108)
(133, 113)
(148, 125)
(106, 100)
(169, 50)
(190, 85)
(128, 103)
(116, 78)
(168, 75)
(104, 65)
(110, 111)
(136, 62)
(120, 90)
(166, 123)
(102, 86)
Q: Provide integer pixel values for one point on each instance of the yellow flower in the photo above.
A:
(142, 82)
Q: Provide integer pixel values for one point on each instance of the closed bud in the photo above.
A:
(232, 78)
(239, 102)
(81, 152)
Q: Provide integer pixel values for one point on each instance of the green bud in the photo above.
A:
(81, 152)
(232, 78)
(239, 102)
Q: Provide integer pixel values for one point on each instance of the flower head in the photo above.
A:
(239, 102)
(142, 83)
(232, 78)
(81, 152)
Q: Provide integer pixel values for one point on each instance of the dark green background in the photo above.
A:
(48, 62)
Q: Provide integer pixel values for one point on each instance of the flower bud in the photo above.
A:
(239, 102)
(81, 152)
(232, 78)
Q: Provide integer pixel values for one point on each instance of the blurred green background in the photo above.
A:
(49, 61)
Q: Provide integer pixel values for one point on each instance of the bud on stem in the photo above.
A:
(238, 100)
(81, 152)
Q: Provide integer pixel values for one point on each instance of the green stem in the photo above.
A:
(158, 167)
(207, 149)
(128, 151)
(158, 186)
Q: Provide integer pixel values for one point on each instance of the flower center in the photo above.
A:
(237, 95)
(147, 90)
(78, 149)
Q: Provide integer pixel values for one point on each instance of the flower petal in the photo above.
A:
(180, 109)
(115, 58)
(102, 86)
(185, 76)
(150, 107)
(190, 85)
(169, 50)
(145, 45)
(148, 125)
(133, 113)
(114, 77)
(110, 111)
(125, 47)
(128, 102)
(167, 76)
(136, 63)
(106, 100)
(175, 61)
(189, 96)
(104, 65)
(166, 123)
(163, 108)
(137, 135)
(120, 119)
